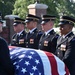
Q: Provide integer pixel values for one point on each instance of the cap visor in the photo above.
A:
(61, 23)
(43, 22)
(26, 21)
(14, 24)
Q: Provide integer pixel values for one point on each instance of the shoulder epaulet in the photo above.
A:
(54, 36)
(71, 38)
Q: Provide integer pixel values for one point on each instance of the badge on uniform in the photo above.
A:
(45, 43)
(63, 47)
(21, 41)
(31, 41)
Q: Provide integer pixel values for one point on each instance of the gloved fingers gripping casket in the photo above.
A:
(36, 62)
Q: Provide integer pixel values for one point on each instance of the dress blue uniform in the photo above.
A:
(19, 39)
(66, 46)
(48, 42)
(32, 39)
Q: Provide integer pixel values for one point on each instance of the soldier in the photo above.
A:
(6, 66)
(18, 39)
(33, 36)
(66, 43)
(48, 40)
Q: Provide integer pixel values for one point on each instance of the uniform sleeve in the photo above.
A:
(53, 44)
(5, 61)
(69, 57)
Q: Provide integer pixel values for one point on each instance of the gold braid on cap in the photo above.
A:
(66, 20)
(32, 18)
(18, 21)
(48, 18)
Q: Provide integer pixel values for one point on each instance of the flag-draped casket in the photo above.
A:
(36, 62)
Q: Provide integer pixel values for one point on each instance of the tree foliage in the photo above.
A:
(55, 7)
(70, 7)
(21, 7)
(6, 6)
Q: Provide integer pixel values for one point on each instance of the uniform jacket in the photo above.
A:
(66, 51)
(32, 39)
(6, 67)
(48, 42)
(19, 40)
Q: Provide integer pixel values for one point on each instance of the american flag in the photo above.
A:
(36, 62)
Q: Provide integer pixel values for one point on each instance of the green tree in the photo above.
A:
(6, 6)
(20, 7)
(55, 7)
(70, 6)
(66, 7)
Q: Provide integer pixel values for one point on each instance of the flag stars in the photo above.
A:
(14, 63)
(24, 52)
(21, 56)
(34, 68)
(23, 70)
(11, 57)
(30, 57)
(27, 63)
(17, 66)
(32, 53)
(20, 60)
(39, 73)
(31, 73)
(37, 61)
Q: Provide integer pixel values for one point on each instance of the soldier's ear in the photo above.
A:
(70, 27)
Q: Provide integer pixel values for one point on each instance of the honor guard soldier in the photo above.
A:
(33, 36)
(18, 39)
(6, 66)
(66, 43)
(48, 40)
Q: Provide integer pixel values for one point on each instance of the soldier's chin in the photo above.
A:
(61, 33)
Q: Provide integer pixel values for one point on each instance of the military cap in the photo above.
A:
(18, 21)
(66, 20)
(46, 18)
(31, 17)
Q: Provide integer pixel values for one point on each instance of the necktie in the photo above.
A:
(27, 35)
(17, 37)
